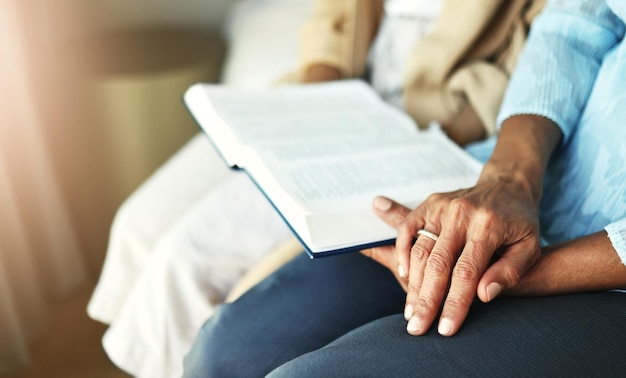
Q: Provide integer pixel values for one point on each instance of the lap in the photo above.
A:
(232, 222)
(573, 335)
(170, 191)
(341, 316)
(191, 268)
(302, 307)
(149, 213)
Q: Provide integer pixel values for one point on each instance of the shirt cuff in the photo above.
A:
(617, 235)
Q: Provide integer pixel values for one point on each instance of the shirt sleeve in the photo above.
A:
(560, 61)
(617, 234)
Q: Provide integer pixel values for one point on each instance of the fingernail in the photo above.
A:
(493, 289)
(445, 327)
(382, 203)
(401, 271)
(408, 312)
(414, 325)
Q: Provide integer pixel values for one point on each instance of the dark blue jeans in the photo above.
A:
(341, 317)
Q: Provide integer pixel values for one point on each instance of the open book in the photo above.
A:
(321, 153)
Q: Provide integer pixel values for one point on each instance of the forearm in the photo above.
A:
(525, 144)
(589, 263)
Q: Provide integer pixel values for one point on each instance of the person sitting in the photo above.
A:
(180, 242)
(516, 276)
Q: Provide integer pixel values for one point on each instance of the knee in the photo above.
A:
(218, 350)
(237, 342)
(201, 361)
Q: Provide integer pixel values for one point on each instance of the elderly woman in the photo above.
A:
(518, 272)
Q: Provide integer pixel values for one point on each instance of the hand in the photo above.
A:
(488, 238)
(318, 73)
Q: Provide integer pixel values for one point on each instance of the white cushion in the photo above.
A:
(262, 37)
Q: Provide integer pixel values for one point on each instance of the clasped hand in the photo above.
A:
(487, 239)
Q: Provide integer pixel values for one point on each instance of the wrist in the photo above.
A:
(525, 180)
(525, 143)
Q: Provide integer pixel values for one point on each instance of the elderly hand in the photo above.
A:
(478, 241)
(494, 220)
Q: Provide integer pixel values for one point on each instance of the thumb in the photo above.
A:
(507, 271)
(394, 215)
(390, 211)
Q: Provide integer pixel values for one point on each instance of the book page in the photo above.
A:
(371, 175)
(335, 116)
(334, 196)
(425, 163)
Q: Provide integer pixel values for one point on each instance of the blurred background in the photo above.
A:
(90, 105)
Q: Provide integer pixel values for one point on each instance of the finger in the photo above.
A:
(419, 254)
(426, 216)
(407, 231)
(394, 214)
(406, 238)
(466, 273)
(508, 270)
(435, 280)
(390, 211)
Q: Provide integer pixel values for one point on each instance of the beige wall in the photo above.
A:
(195, 13)
(70, 18)
(101, 149)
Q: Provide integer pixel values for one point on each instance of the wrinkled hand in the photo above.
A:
(488, 238)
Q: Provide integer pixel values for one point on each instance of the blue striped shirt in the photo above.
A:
(573, 71)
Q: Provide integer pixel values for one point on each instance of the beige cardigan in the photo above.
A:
(456, 75)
